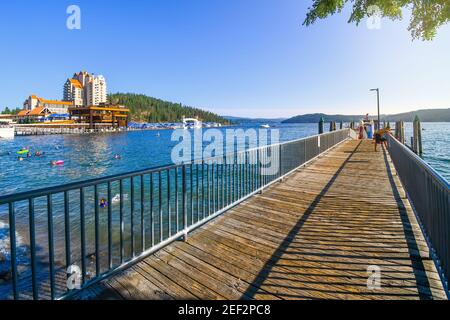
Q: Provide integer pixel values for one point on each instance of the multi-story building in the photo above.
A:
(73, 92)
(93, 89)
(82, 91)
(53, 106)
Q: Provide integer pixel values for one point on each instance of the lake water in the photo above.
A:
(92, 156)
(436, 145)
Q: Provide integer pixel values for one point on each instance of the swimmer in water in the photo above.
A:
(20, 158)
(38, 154)
(28, 154)
(117, 157)
(103, 203)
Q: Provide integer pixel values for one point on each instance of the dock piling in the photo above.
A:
(321, 122)
(417, 139)
(332, 126)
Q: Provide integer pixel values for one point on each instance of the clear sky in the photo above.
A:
(234, 57)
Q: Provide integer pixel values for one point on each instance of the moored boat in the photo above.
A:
(6, 132)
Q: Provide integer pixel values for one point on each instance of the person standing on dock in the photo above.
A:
(381, 137)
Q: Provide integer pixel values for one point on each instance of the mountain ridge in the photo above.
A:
(425, 115)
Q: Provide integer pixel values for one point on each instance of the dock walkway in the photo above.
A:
(317, 235)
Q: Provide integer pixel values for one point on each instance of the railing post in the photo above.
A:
(184, 202)
(279, 162)
(259, 165)
(12, 244)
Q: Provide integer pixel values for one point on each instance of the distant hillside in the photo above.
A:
(430, 115)
(149, 109)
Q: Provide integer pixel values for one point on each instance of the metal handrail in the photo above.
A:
(165, 203)
(423, 164)
(429, 194)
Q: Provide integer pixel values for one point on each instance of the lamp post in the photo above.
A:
(378, 104)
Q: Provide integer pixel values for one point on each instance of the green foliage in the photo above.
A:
(148, 109)
(9, 111)
(426, 15)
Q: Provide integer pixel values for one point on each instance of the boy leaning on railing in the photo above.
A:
(381, 137)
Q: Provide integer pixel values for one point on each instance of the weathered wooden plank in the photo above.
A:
(311, 237)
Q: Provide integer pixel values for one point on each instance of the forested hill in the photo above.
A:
(425, 115)
(149, 109)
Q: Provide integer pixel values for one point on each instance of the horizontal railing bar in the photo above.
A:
(444, 183)
(182, 233)
(91, 182)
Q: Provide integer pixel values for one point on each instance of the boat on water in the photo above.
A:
(367, 128)
(192, 123)
(7, 132)
(265, 126)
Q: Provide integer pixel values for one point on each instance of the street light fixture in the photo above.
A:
(378, 104)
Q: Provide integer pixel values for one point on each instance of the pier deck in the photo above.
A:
(313, 236)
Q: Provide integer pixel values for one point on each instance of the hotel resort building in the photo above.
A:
(84, 101)
(85, 89)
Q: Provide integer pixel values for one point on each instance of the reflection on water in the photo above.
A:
(92, 156)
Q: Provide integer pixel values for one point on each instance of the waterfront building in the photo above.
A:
(53, 106)
(84, 101)
(74, 92)
(95, 91)
(115, 115)
(85, 89)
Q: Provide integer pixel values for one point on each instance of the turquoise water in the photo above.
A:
(92, 156)
(436, 145)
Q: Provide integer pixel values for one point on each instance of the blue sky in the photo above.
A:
(233, 57)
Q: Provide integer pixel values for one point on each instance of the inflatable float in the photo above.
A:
(57, 163)
(25, 151)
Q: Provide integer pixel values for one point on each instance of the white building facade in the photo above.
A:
(73, 92)
(95, 91)
(34, 102)
(86, 89)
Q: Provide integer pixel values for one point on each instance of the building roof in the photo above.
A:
(38, 111)
(76, 83)
(66, 103)
(57, 102)
(23, 113)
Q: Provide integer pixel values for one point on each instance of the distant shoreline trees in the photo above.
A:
(11, 111)
(148, 109)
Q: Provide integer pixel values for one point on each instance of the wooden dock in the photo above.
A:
(316, 235)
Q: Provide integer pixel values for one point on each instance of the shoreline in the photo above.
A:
(63, 129)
